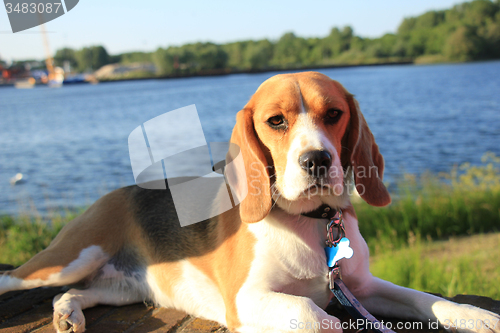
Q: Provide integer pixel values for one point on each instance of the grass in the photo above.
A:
(419, 241)
(24, 236)
(414, 240)
(465, 201)
(464, 265)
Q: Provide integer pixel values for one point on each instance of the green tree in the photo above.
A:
(383, 47)
(462, 45)
(176, 60)
(131, 57)
(92, 58)
(66, 54)
(236, 54)
(334, 43)
(290, 51)
(407, 25)
(493, 39)
(429, 20)
(259, 54)
(480, 12)
(164, 61)
(210, 56)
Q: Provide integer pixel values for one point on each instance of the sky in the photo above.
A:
(126, 25)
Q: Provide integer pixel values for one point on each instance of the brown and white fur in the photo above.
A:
(259, 266)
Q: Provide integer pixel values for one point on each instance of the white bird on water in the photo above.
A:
(17, 179)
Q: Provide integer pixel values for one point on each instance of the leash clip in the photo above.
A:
(335, 222)
(334, 274)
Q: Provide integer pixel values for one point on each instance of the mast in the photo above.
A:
(48, 59)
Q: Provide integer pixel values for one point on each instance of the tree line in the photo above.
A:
(465, 32)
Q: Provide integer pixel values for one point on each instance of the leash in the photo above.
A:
(338, 248)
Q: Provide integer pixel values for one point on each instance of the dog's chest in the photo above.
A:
(289, 254)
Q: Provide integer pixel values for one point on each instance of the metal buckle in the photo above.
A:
(334, 274)
(335, 223)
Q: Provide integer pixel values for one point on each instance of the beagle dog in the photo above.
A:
(260, 266)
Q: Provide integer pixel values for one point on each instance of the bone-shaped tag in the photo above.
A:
(335, 253)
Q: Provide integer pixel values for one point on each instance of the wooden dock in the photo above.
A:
(31, 311)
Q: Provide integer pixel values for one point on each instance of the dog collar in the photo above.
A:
(337, 245)
(322, 212)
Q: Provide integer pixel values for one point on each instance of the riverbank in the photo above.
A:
(141, 76)
(222, 72)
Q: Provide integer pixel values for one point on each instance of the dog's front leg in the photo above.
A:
(277, 312)
(384, 298)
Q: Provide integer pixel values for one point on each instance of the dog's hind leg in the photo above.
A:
(53, 267)
(80, 249)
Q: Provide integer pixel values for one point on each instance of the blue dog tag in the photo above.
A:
(335, 253)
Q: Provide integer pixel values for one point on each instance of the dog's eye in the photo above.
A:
(333, 115)
(276, 121)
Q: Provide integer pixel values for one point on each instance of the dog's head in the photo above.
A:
(303, 139)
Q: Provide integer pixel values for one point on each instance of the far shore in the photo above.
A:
(228, 71)
(222, 72)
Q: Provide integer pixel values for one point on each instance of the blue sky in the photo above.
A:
(125, 25)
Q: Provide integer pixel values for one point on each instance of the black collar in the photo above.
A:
(322, 212)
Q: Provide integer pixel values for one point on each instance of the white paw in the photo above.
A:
(68, 316)
(481, 320)
(469, 319)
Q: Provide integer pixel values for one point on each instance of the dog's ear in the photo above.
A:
(366, 161)
(257, 203)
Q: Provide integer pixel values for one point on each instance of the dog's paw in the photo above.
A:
(484, 321)
(68, 316)
(473, 319)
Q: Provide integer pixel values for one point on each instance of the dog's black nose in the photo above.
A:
(316, 162)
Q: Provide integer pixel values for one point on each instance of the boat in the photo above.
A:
(25, 83)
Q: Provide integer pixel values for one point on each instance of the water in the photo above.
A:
(71, 143)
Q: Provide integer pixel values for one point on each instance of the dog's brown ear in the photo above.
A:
(366, 161)
(257, 203)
